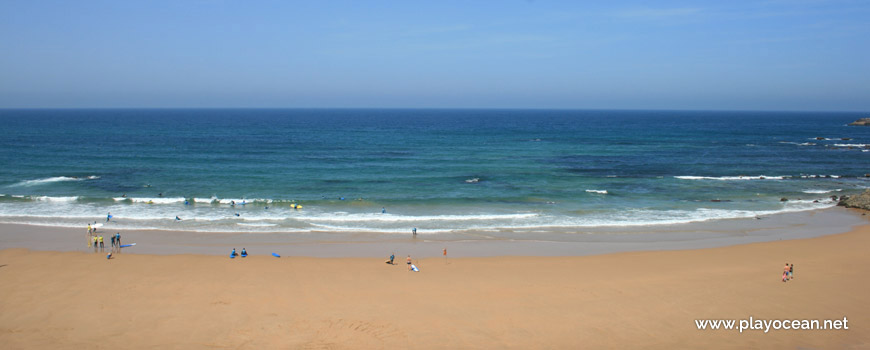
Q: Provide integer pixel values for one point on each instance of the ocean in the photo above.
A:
(517, 172)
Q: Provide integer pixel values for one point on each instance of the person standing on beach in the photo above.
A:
(409, 262)
(414, 232)
(113, 242)
(118, 239)
(101, 243)
(95, 243)
(791, 272)
(785, 273)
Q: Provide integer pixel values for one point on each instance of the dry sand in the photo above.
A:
(74, 300)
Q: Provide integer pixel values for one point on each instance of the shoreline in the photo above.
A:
(567, 242)
(631, 300)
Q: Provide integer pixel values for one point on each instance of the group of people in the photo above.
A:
(409, 262)
(788, 272)
(96, 240)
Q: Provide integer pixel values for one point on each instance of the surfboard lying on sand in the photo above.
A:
(128, 245)
(414, 268)
(276, 255)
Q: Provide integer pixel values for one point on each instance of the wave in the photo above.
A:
(821, 191)
(412, 218)
(733, 178)
(799, 143)
(55, 199)
(819, 176)
(855, 145)
(597, 191)
(146, 200)
(48, 180)
(256, 224)
(221, 220)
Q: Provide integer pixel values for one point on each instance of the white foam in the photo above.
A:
(821, 191)
(256, 224)
(205, 200)
(733, 178)
(403, 230)
(56, 199)
(857, 145)
(597, 191)
(159, 200)
(820, 176)
(55, 179)
(331, 217)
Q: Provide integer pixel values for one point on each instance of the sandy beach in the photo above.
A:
(77, 300)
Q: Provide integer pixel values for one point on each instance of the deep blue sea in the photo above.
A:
(436, 170)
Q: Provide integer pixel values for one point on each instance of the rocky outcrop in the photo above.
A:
(861, 201)
(861, 122)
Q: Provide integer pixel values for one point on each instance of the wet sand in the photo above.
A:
(650, 299)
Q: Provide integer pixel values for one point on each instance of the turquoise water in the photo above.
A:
(437, 170)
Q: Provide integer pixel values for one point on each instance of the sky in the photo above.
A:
(696, 55)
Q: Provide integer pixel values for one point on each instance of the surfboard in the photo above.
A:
(128, 245)
(244, 255)
(414, 268)
(276, 255)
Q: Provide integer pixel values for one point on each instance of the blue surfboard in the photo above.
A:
(128, 245)
(276, 255)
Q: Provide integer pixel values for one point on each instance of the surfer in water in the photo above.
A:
(383, 210)
(177, 218)
(108, 217)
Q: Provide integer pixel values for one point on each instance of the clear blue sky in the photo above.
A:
(755, 55)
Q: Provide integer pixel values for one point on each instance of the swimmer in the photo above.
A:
(177, 218)
(237, 214)
(383, 210)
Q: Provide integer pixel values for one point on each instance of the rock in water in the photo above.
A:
(861, 122)
(861, 201)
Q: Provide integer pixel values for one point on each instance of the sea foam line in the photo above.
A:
(732, 178)
(54, 179)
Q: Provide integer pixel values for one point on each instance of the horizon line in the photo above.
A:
(441, 108)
